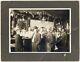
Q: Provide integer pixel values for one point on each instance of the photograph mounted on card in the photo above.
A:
(39, 30)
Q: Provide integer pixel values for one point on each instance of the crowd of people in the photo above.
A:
(38, 39)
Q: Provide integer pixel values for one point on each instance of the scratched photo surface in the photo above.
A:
(41, 30)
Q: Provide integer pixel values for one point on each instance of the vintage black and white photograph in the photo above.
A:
(39, 30)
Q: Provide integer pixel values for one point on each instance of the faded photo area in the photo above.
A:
(39, 30)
